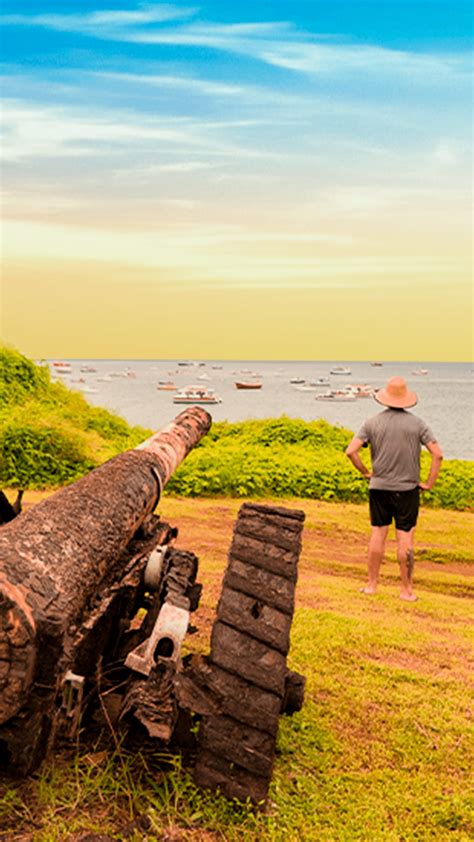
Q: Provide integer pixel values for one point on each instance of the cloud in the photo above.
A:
(447, 152)
(277, 43)
(31, 130)
(187, 83)
(215, 256)
(109, 21)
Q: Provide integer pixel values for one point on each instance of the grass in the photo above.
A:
(382, 749)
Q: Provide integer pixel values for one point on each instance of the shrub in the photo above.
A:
(38, 456)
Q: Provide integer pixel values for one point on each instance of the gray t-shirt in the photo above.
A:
(395, 437)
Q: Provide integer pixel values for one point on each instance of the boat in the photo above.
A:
(361, 390)
(419, 371)
(340, 369)
(62, 368)
(196, 395)
(336, 395)
(248, 384)
(297, 381)
(376, 363)
(166, 386)
(311, 385)
(88, 369)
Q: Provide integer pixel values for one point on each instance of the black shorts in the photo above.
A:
(401, 505)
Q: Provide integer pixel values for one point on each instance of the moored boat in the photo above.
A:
(196, 395)
(166, 386)
(248, 384)
(420, 371)
(340, 369)
(336, 395)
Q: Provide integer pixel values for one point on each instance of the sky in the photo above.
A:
(237, 180)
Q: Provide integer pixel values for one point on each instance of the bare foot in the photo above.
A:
(368, 590)
(408, 597)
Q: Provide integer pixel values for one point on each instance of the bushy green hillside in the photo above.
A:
(50, 435)
(288, 457)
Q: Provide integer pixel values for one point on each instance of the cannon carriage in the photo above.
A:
(95, 604)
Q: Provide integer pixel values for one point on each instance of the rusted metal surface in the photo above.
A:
(58, 555)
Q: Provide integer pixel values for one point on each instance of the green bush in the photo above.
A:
(50, 435)
(287, 457)
(39, 456)
(19, 377)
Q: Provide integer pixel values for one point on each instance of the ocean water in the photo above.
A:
(445, 393)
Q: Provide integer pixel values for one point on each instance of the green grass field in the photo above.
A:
(382, 750)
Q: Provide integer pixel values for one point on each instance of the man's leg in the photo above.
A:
(405, 559)
(376, 551)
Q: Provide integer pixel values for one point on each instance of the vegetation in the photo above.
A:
(380, 750)
(50, 435)
(288, 457)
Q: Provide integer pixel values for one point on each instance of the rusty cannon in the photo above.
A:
(95, 603)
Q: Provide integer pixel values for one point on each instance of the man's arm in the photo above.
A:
(436, 459)
(353, 453)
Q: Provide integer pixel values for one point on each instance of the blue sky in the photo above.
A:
(312, 144)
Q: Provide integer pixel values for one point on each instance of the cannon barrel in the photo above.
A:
(57, 556)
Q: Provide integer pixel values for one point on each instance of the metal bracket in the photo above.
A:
(164, 642)
(72, 698)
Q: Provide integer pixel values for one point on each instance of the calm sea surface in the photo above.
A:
(445, 394)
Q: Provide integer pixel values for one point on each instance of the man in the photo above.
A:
(395, 437)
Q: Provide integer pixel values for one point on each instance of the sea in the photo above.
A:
(129, 388)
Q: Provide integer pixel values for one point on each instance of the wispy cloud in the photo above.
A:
(277, 43)
(186, 83)
(30, 130)
(107, 20)
(227, 258)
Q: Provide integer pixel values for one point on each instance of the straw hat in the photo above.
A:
(396, 394)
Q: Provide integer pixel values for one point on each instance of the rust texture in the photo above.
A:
(56, 557)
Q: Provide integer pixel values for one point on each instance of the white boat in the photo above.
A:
(340, 369)
(296, 381)
(420, 371)
(196, 395)
(336, 395)
(311, 385)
